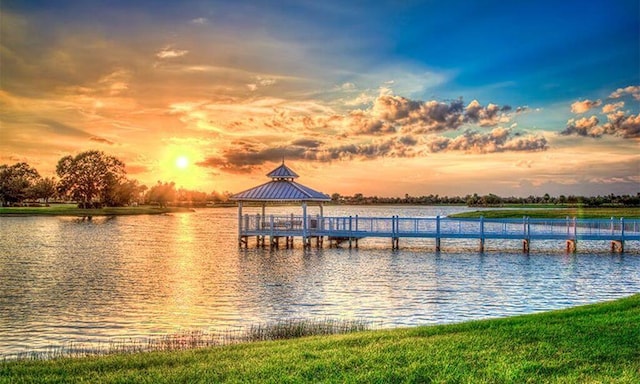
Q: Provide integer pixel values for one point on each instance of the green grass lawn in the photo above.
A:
(555, 213)
(73, 210)
(590, 344)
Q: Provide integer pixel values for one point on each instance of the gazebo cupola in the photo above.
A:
(282, 173)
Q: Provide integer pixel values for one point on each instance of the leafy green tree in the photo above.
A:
(88, 177)
(44, 188)
(16, 181)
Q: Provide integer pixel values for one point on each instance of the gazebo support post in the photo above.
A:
(240, 238)
(305, 235)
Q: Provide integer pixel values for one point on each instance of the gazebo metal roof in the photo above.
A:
(281, 188)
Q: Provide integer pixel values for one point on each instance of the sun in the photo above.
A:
(182, 162)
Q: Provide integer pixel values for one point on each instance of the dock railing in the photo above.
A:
(525, 228)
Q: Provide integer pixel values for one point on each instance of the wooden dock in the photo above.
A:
(348, 230)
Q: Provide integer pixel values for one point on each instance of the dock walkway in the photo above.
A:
(338, 230)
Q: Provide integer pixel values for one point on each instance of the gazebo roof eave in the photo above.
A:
(318, 200)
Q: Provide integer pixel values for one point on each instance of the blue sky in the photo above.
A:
(450, 97)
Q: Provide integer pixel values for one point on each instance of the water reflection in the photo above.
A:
(65, 280)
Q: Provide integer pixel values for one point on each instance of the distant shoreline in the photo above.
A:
(73, 211)
(542, 211)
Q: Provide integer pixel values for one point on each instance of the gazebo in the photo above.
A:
(281, 189)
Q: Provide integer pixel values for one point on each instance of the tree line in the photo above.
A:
(92, 179)
(491, 200)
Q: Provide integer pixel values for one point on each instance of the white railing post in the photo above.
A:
(438, 233)
(481, 233)
(271, 227)
(350, 224)
(239, 219)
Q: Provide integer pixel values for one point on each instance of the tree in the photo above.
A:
(162, 193)
(16, 181)
(123, 193)
(44, 189)
(87, 177)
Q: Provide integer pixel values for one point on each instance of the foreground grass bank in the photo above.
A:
(73, 210)
(555, 213)
(595, 343)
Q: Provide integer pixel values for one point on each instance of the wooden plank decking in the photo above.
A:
(349, 229)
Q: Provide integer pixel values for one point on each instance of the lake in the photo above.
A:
(68, 281)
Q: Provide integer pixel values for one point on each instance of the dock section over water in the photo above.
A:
(341, 230)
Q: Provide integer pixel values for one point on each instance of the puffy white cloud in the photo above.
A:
(584, 105)
(582, 127)
(633, 90)
(497, 140)
(608, 108)
(619, 124)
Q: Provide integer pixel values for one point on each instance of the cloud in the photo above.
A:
(348, 86)
(418, 116)
(633, 90)
(246, 157)
(583, 127)
(361, 123)
(199, 21)
(62, 128)
(309, 143)
(584, 106)
(608, 108)
(261, 82)
(391, 114)
(497, 140)
(393, 126)
(524, 163)
(170, 53)
(243, 157)
(621, 124)
(485, 116)
(101, 140)
(618, 124)
(435, 116)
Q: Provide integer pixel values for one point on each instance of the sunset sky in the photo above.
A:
(381, 98)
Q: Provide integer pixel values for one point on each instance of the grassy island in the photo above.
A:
(587, 344)
(555, 213)
(73, 210)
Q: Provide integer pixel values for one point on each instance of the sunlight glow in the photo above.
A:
(182, 162)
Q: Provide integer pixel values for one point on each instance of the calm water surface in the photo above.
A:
(64, 280)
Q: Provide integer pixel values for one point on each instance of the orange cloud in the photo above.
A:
(584, 106)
